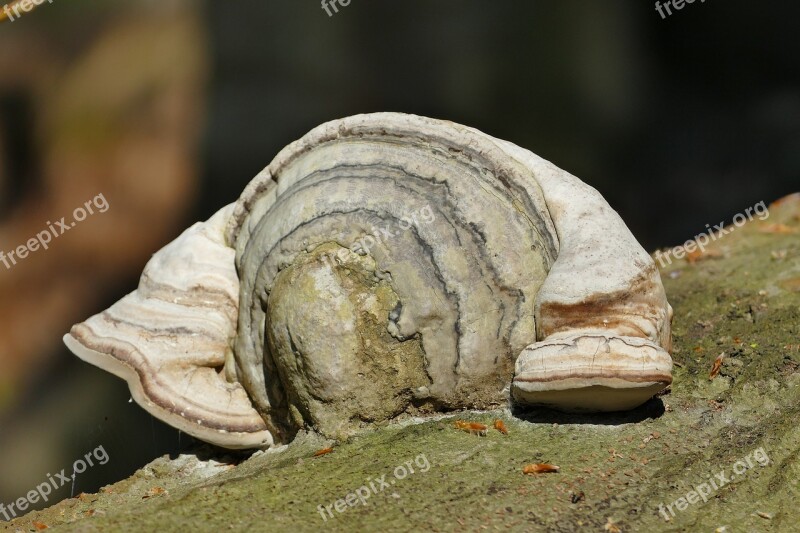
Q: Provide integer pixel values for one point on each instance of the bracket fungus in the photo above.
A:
(387, 264)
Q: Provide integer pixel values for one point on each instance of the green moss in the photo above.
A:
(624, 465)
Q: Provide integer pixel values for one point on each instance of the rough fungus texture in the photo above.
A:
(387, 265)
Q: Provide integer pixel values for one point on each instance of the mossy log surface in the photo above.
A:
(740, 298)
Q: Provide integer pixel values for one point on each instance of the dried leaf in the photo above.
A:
(323, 451)
(155, 491)
(540, 468)
(471, 427)
(717, 366)
(700, 255)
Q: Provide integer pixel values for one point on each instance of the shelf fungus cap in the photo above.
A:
(388, 264)
(171, 337)
(591, 372)
(602, 316)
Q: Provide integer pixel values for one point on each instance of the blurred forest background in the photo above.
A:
(168, 108)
